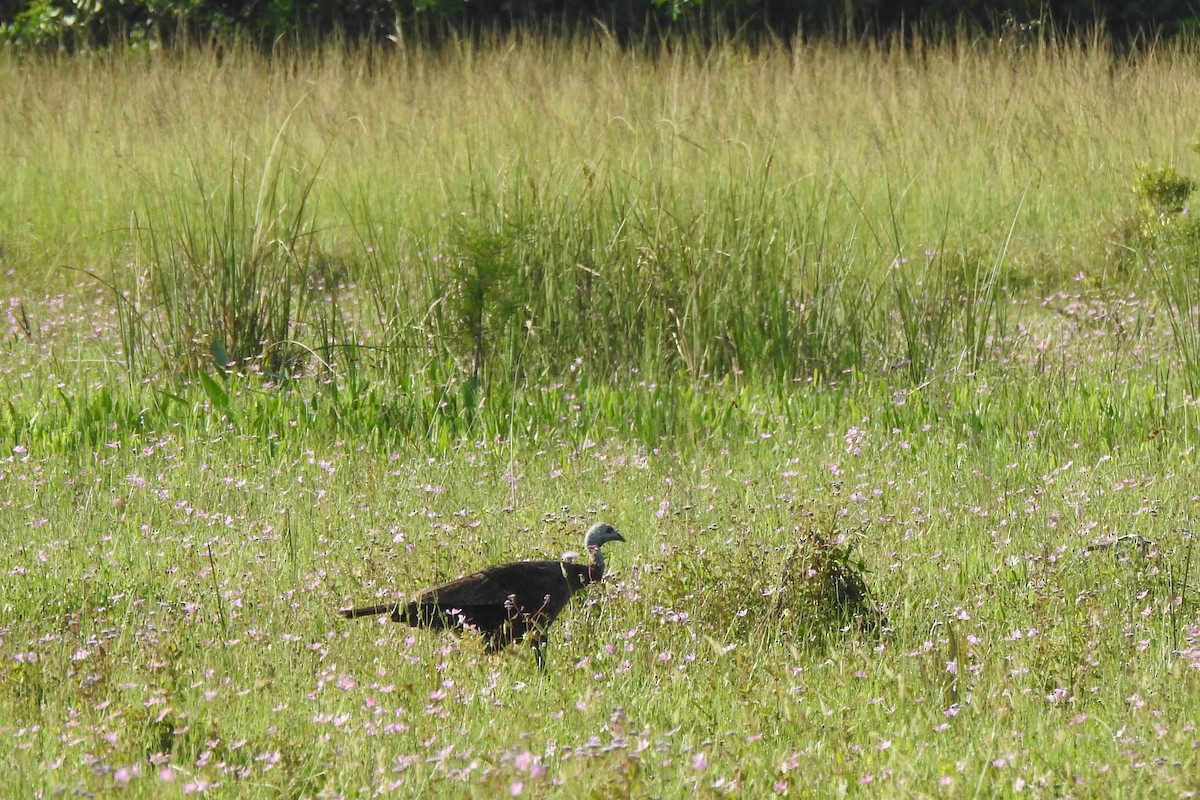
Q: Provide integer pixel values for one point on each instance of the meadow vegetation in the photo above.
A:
(884, 360)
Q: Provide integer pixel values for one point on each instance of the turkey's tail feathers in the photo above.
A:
(370, 611)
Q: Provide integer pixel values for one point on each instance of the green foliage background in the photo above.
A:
(76, 23)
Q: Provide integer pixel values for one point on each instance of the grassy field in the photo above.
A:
(293, 333)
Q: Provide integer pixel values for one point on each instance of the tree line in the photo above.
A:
(108, 23)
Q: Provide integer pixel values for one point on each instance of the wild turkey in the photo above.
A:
(506, 602)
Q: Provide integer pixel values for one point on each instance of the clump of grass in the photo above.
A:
(951, 307)
(226, 271)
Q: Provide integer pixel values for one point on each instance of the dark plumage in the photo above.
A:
(506, 602)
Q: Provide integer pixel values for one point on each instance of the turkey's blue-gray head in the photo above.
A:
(596, 536)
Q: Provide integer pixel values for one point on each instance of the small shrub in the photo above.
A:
(823, 581)
(1167, 243)
(1162, 190)
(484, 294)
(812, 590)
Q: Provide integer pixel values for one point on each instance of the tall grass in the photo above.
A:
(701, 213)
(438, 233)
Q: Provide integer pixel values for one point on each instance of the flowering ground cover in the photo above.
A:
(987, 425)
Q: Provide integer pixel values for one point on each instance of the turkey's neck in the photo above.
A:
(595, 564)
